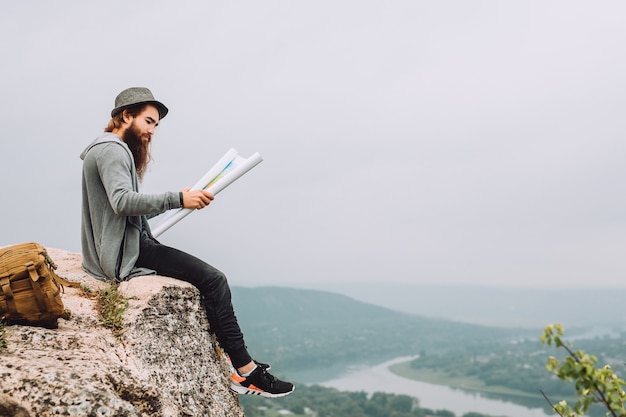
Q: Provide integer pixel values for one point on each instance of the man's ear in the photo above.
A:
(128, 118)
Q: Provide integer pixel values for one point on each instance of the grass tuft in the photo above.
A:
(87, 292)
(3, 340)
(111, 306)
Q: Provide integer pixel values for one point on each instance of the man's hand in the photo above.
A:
(197, 199)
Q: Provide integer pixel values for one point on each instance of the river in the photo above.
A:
(436, 397)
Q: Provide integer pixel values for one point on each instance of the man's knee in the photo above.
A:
(212, 280)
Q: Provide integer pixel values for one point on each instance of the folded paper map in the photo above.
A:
(228, 169)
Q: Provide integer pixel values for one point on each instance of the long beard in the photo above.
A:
(139, 149)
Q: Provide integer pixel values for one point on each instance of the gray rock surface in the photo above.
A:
(164, 364)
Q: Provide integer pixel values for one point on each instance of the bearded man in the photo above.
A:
(117, 244)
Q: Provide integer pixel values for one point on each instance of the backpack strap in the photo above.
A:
(5, 284)
(64, 282)
(37, 292)
(53, 267)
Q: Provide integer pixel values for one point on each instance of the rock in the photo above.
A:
(163, 364)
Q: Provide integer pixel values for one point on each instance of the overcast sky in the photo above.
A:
(454, 142)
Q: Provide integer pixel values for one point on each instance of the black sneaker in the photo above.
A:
(265, 366)
(260, 382)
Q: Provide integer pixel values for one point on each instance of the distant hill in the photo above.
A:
(497, 305)
(310, 329)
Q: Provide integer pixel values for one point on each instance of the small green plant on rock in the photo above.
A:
(87, 292)
(3, 340)
(593, 385)
(111, 306)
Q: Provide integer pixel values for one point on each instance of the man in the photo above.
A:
(115, 235)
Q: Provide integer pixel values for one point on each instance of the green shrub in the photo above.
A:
(111, 306)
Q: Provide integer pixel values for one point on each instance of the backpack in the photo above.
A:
(30, 290)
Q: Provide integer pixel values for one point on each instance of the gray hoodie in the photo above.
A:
(113, 210)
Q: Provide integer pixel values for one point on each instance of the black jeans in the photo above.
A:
(214, 292)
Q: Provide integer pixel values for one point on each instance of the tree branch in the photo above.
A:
(550, 402)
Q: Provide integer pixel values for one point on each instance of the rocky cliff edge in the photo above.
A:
(164, 363)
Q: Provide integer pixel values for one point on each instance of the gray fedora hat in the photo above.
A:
(137, 95)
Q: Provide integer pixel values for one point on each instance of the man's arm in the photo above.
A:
(116, 172)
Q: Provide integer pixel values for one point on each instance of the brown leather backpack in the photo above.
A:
(30, 290)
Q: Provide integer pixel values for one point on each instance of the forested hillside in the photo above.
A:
(311, 329)
(296, 329)
(490, 368)
(329, 402)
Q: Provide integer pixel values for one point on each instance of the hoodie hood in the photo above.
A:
(105, 138)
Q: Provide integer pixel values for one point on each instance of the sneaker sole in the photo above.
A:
(240, 389)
